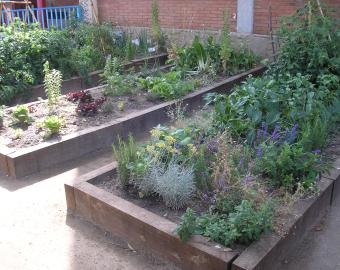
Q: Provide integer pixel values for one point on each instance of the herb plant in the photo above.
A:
(125, 153)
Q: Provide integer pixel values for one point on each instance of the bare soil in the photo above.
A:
(18, 136)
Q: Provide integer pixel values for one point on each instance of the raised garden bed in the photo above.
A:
(25, 161)
(78, 83)
(153, 233)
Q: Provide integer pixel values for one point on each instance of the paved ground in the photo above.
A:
(37, 234)
(320, 249)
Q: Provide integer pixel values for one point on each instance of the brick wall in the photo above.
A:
(195, 14)
(66, 3)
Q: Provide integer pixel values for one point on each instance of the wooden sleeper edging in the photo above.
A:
(45, 155)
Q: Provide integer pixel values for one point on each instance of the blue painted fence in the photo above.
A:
(49, 17)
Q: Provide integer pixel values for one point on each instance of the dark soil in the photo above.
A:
(153, 203)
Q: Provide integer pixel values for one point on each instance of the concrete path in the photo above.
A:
(320, 250)
(37, 234)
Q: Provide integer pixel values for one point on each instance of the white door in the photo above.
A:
(245, 16)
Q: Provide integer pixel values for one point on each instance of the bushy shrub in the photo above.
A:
(244, 225)
(311, 43)
(117, 84)
(173, 182)
(288, 164)
(280, 98)
(169, 86)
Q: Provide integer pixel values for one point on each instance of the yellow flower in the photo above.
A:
(150, 148)
(160, 145)
(155, 133)
(173, 150)
(192, 148)
(170, 139)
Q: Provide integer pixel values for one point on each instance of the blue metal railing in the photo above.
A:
(48, 17)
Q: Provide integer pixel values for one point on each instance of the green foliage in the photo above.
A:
(107, 107)
(117, 84)
(311, 43)
(210, 57)
(155, 27)
(287, 165)
(244, 225)
(314, 134)
(21, 114)
(284, 99)
(125, 153)
(53, 124)
(225, 51)
(130, 49)
(203, 171)
(247, 223)
(77, 50)
(52, 83)
(168, 86)
(226, 202)
(187, 226)
(1, 116)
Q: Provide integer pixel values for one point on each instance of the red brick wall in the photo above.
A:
(195, 14)
(66, 2)
(182, 14)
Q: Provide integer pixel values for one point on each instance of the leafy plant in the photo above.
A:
(203, 171)
(107, 107)
(311, 43)
(155, 27)
(117, 84)
(187, 226)
(53, 124)
(125, 153)
(225, 51)
(168, 86)
(288, 164)
(244, 225)
(52, 83)
(90, 108)
(284, 99)
(21, 114)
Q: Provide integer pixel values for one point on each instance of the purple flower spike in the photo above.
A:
(317, 152)
(248, 179)
(259, 151)
(205, 196)
(221, 182)
(276, 133)
(293, 133)
(240, 164)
